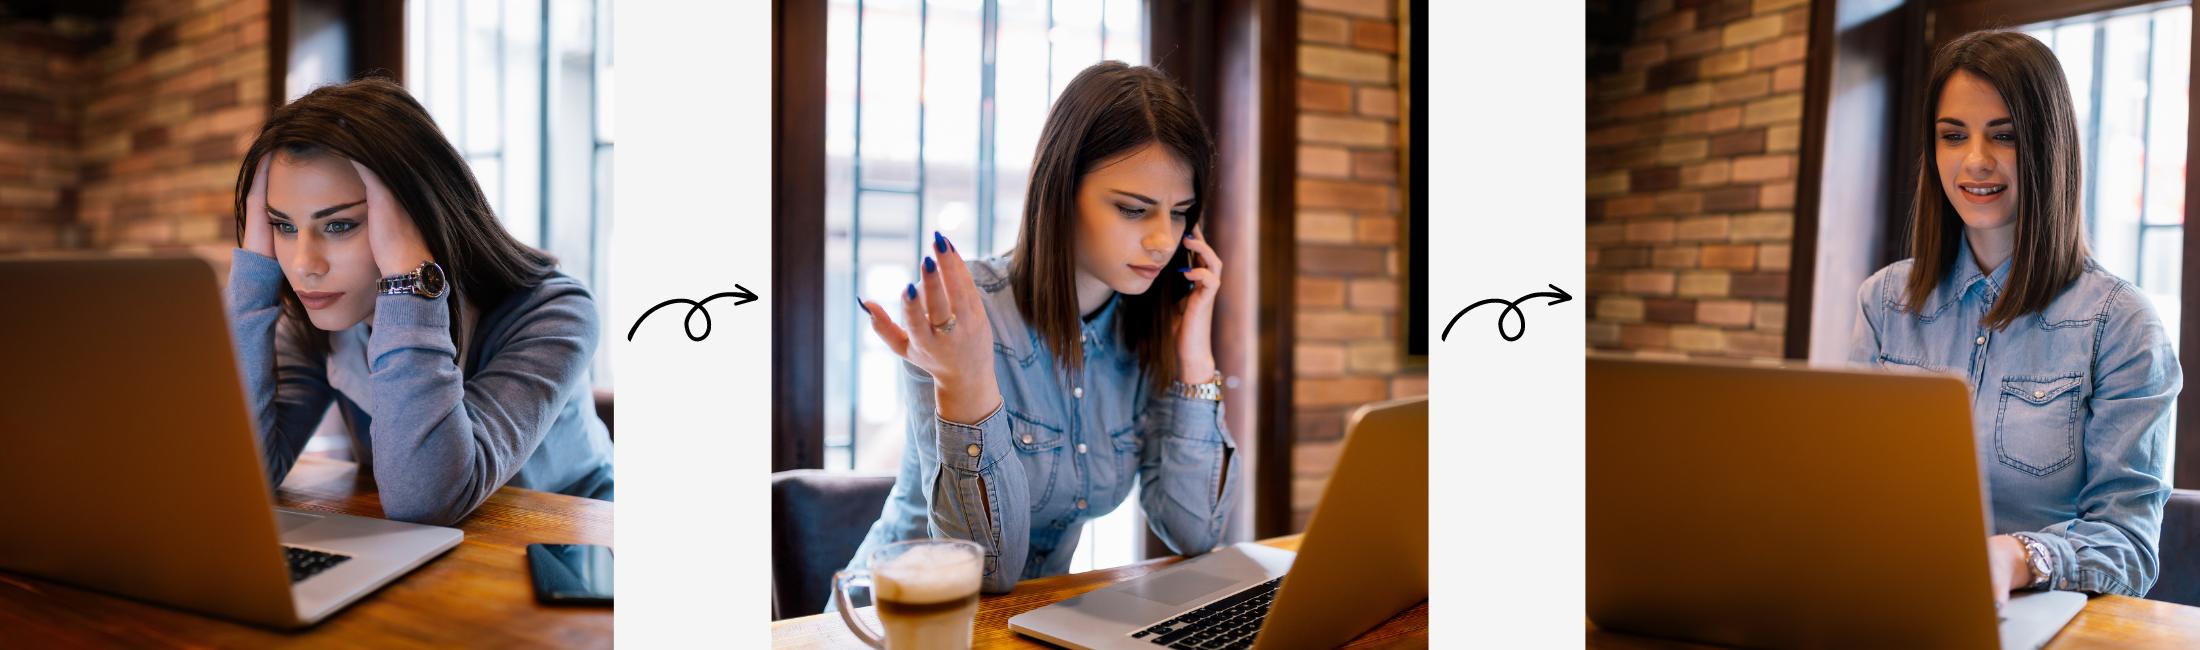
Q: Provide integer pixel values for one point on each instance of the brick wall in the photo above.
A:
(1691, 179)
(136, 142)
(1348, 351)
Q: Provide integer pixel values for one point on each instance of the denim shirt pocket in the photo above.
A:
(1039, 446)
(2036, 430)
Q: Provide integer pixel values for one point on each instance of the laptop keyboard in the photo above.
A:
(304, 562)
(1227, 623)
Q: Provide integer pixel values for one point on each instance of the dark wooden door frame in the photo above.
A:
(798, 234)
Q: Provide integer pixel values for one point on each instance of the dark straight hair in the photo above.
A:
(2050, 248)
(1108, 111)
(374, 122)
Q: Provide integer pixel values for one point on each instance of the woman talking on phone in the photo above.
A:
(370, 273)
(1043, 384)
(2072, 372)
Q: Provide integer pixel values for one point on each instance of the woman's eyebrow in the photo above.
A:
(322, 213)
(1149, 200)
(1995, 122)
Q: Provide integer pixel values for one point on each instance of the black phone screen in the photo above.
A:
(570, 573)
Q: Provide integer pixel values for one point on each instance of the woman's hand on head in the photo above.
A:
(944, 331)
(391, 232)
(1195, 329)
(259, 235)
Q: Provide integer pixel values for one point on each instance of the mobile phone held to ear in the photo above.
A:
(571, 574)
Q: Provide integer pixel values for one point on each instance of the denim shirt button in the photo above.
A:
(1080, 447)
(2038, 394)
(1027, 438)
(973, 450)
(1080, 504)
(1981, 340)
(1078, 392)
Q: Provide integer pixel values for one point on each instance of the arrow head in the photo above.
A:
(1562, 295)
(743, 294)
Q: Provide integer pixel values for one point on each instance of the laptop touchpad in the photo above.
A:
(286, 521)
(1178, 587)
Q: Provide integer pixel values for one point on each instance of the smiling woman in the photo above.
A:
(371, 273)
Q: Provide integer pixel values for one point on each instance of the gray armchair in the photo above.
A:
(818, 520)
(2179, 550)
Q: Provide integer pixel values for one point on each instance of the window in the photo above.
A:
(2128, 72)
(933, 110)
(523, 89)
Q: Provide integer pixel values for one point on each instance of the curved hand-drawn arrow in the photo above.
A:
(1512, 308)
(695, 307)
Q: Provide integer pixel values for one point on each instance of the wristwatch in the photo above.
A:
(1210, 390)
(2039, 559)
(427, 281)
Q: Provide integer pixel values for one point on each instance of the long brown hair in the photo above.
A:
(2050, 247)
(374, 122)
(1109, 110)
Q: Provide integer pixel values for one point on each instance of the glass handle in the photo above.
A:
(841, 581)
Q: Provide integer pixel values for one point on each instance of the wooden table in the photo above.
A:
(477, 595)
(2106, 622)
(1408, 629)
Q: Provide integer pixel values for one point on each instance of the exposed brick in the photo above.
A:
(1340, 326)
(1769, 286)
(1697, 338)
(1377, 165)
(1787, 78)
(1749, 31)
(1682, 151)
(1769, 6)
(1669, 74)
(1378, 102)
(1340, 391)
(1650, 230)
(1372, 358)
(1721, 12)
(1332, 162)
(1342, 260)
(1774, 167)
(1788, 49)
(1764, 226)
(1324, 28)
(1315, 292)
(1781, 138)
(1318, 359)
(1777, 108)
(1702, 229)
(1706, 173)
(1644, 56)
(1774, 257)
(1674, 257)
(1326, 62)
(1603, 333)
(1324, 226)
(1350, 195)
(1734, 257)
(1643, 336)
(1669, 310)
(1749, 141)
(1721, 64)
(1745, 87)
(1360, 8)
(1770, 317)
(1729, 313)
(1620, 309)
(1609, 183)
(1795, 22)
(1680, 203)
(1649, 283)
(1619, 207)
(1730, 199)
(1324, 96)
(1375, 230)
(1721, 119)
(1688, 97)
(1704, 284)
(1694, 43)
(1349, 131)
(1653, 179)
(1667, 26)
(1376, 35)
(1776, 196)
(1755, 344)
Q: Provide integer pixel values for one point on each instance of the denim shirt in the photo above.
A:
(2070, 407)
(1063, 449)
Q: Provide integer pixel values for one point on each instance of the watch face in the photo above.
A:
(432, 282)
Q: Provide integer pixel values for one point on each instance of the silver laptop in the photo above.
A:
(1363, 559)
(132, 467)
(1789, 507)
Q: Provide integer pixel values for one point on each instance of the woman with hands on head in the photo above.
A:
(371, 274)
(1044, 384)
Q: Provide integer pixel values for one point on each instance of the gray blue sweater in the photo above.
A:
(438, 440)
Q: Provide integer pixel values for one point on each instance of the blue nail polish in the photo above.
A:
(912, 292)
(939, 243)
(1186, 269)
(930, 266)
(866, 309)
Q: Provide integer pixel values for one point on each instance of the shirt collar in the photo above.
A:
(1965, 275)
(1100, 329)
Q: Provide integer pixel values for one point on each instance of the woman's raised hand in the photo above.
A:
(945, 332)
(391, 232)
(258, 235)
(1195, 329)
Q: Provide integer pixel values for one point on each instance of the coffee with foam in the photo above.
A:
(927, 592)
